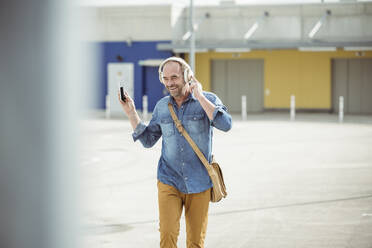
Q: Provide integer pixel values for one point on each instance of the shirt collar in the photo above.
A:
(189, 97)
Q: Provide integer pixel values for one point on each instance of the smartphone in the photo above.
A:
(121, 88)
(122, 96)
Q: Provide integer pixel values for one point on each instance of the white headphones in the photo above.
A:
(187, 72)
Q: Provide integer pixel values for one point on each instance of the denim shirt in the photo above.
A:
(178, 165)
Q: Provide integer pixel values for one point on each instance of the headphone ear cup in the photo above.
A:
(187, 74)
(191, 74)
(161, 77)
(160, 73)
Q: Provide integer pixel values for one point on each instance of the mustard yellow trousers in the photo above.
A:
(171, 202)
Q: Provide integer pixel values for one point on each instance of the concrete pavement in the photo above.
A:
(297, 184)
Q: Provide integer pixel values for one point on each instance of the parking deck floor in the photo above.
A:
(305, 183)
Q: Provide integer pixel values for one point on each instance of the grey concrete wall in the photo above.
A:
(347, 22)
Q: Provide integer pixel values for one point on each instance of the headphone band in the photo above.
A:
(187, 72)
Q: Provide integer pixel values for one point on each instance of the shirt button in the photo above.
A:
(181, 149)
(185, 178)
(183, 164)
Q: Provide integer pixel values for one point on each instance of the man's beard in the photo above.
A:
(176, 91)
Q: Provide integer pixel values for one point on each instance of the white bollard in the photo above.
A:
(341, 109)
(108, 107)
(244, 108)
(293, 108)
(144, 107)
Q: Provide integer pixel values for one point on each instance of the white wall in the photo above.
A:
(140, 23)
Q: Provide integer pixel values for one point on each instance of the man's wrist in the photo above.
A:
(132, 113)
(134, 119)
(200, 97)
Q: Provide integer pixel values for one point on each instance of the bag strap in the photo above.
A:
(182, 130)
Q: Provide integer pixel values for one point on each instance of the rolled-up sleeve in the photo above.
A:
(221, 118)
(148, 135)
(141, 127)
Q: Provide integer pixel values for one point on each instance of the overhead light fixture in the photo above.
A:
(188, 34)
(255, 25)
(357, 48)
(251, 31)
(317, 49)
(315, 29)
(232, 50)
(318, 24)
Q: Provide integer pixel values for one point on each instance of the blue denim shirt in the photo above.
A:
(178, 165)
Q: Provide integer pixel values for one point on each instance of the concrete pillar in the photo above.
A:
(192, 37)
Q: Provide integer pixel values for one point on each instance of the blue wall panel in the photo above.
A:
(121, 52)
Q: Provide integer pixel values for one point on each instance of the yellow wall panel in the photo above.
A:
(281, 78)
(307, 75)
(203, 69)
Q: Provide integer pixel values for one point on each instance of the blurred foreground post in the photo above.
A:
(39, 85)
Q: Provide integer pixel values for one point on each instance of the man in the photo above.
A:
(183, 180)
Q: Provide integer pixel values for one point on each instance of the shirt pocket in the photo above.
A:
(195, 123)
(167, 127)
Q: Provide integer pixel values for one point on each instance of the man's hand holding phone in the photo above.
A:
(126, 102)
(122, 95)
